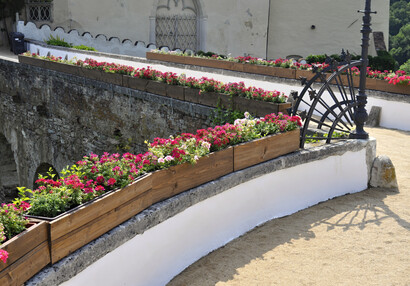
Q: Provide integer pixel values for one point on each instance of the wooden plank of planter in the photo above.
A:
(212, 99)
(28, 252)
(258, 107)
(91, 74)
(383, 85)
(191, 95)
(176, 91)
(135, 83)
(72, 241)
(218, 64)
(284, 72)
(65, 68)
(24, 242)
(264, 149)
(304, 73)
(113, 78)
(156, 87)
(172, 181)
(27, 267)
(75, 221)
(158, 57)
(270, 107)
(238, 67)
(31, 61)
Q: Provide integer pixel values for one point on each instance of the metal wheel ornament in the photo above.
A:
(328, 111)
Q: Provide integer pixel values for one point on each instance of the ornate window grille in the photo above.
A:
(177, 31)
(39, 10)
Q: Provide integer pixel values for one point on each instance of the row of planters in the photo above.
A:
(396, 82)
(205, 91)
(100, 192)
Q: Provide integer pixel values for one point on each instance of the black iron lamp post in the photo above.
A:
(361, 115)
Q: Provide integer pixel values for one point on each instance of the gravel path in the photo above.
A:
(359, 239)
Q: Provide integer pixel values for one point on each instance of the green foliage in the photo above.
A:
(85, 48)
(221, 115)
(49, 205)
(406, 67)
(57, 41)
(12, 220)
(399, 15)
(400, 44)
(210, 54)
(383, 61)
(311, 59)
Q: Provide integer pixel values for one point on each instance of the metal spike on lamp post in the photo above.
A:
(361, 116)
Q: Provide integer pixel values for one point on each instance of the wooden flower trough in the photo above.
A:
(371, 83)
(28, 251)
(212, 99)
(77, 227)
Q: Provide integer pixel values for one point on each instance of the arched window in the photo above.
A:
(45, 170)
(176, 24)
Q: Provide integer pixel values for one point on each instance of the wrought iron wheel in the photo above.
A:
(328, 102)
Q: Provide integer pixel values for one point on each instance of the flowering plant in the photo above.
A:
(398, 77)
(12, 222)
(95, 175)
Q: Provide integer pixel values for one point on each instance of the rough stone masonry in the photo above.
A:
(49, 118)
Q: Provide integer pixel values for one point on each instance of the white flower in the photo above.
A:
(161, 160)
(206, 145)
(169, 158)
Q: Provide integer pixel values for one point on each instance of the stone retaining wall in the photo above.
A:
(56, 118)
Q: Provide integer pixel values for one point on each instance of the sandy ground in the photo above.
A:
(359, 239)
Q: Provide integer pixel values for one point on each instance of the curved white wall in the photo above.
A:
(163, 251)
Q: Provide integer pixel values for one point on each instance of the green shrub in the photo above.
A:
(57, 41)
(383, 61)
(85, 48)
(405, 67)
(311, 59)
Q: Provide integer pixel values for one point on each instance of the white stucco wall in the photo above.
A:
(163, 251)
(337, 26)
(124, 19)
(238, 27)
(261, 28)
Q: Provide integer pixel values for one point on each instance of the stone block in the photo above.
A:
(383, 174)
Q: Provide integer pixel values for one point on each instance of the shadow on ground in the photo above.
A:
(351, 212)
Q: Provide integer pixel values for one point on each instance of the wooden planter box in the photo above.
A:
(264, 149)
(176, 91)
(176, 179)
(28, 252)
(112, 78)
(156, 87)
(65, 68)
(258, 107)
(378, 84)
(211, 63)
(81, 225)
(213, 99)
(135, 82)
(31, 61)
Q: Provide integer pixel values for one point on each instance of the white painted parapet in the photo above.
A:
(159, 243)
(99, 42)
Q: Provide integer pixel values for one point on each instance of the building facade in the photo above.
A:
(261, 28)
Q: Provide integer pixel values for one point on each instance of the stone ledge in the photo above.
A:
(84, 257)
